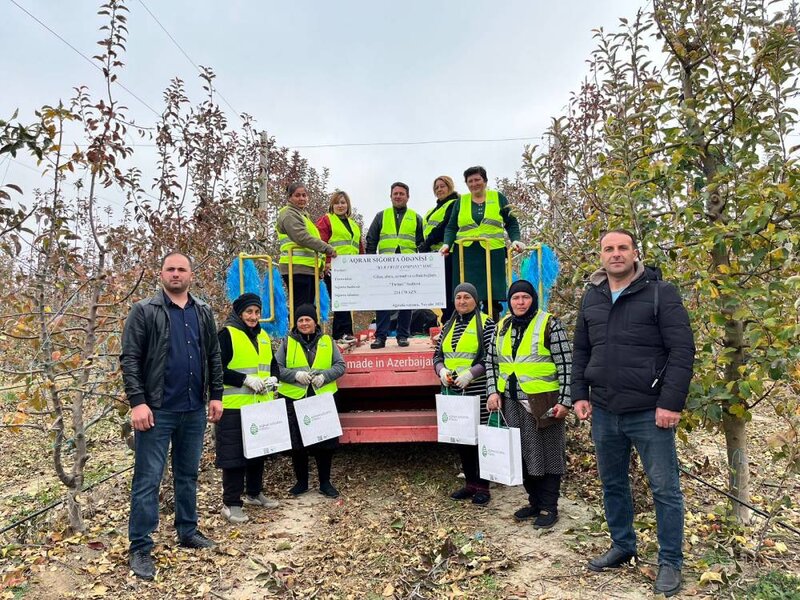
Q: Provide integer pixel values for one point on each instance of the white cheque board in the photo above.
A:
(388, 281)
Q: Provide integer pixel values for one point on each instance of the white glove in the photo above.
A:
(445, 375)
(270, 382)
(463, 380)
(302, 377)
(318, 381)
(517, 246)
(254, 383)
(444, 250)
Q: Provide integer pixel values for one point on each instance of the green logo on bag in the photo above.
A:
(484, 451)
(253, 428)
(444, 417)
(307, 420)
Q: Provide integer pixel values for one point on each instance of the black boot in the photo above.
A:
(324, 460)
(300, 465)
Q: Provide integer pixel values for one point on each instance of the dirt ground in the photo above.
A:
(394, 533)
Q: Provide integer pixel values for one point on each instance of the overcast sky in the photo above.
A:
(333, 72)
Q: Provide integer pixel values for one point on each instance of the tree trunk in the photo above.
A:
(738, 464)
(74, 512)
(733, 338)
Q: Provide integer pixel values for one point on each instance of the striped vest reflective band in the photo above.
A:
(341, 239)
(466, 349)
(490, 227)
(296, 359)
(249, 361)
(406, 238)
(533, 365)
(300, 255)
(434, 218)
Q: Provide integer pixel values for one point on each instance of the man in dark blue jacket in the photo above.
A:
(632, 362)
(170, 366)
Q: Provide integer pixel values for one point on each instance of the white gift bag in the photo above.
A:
(317, 418)
(457, 418)
(500, 454)
(265, 428)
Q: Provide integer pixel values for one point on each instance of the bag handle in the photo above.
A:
(489, 420)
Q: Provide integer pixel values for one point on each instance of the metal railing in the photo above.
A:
(267, 259)
(509, 264)
(292, 248)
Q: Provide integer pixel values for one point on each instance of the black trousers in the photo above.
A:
(233, 481)
(494, 310)
(448, 281)
(543, 492)
(469, 462)
(324, 458)
(342, 319)
(303, 290)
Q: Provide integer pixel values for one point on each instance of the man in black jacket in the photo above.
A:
(385, 240)
(632, 362)
(170, 366)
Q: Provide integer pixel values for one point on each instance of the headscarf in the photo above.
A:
(306, 310)
(245, 301)
(235, 317)
(522, 285)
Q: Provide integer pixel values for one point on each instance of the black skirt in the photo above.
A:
(229, 446)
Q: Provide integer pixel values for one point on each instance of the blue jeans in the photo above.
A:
(185, 430)
(613, 437)
(383, 321)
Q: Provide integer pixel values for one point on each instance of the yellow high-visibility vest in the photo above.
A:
(434, 218)
(490, 227)
(296, 359)
(533, 365)
(249, 361)
(406, 238)
(300, 255)
(462, 356)
(341, 239)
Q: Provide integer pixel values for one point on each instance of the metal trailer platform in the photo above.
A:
(388, 395)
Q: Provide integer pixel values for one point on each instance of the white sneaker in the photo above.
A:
(261, 500)
(234, 514)
(347, 339)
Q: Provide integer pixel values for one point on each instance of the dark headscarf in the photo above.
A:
(235, 318)
(521, 285)
(306, 310)
(245, 301)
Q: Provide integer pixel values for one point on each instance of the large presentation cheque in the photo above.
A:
(388, 281)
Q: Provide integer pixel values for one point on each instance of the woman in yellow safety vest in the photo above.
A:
(487, 214)
(249, 371)
(296, 231)
(309, 364)
(436, 220)
(528, 378)
(341, 231)
(459, 363)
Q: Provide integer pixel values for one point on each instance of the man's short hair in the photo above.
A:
(400, 184)
(477, 170)
(621, 231)
(177, 253)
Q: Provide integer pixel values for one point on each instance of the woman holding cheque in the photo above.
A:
(248, 376)
(459, 363)
(528, 377)
(310, 363)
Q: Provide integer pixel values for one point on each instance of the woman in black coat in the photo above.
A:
(244, 384)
